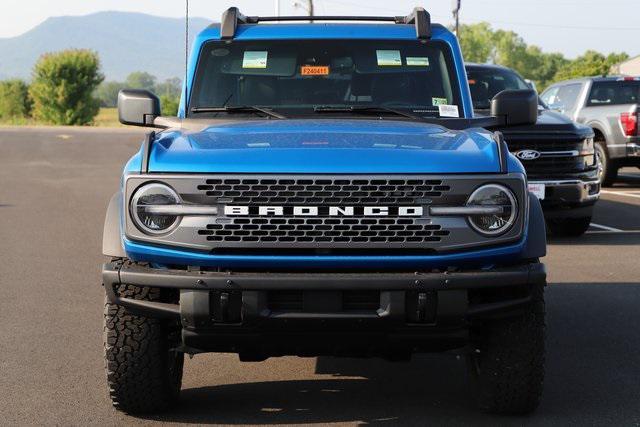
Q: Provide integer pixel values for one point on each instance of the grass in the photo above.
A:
(107, 117)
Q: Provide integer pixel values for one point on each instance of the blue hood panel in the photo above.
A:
(325, 146)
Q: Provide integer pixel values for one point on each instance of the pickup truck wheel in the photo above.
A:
(144, 372)
(608, 172)
(569, 227)
(508, 365)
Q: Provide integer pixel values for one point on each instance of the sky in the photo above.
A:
(566, 26)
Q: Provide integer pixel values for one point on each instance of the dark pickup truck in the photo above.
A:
(557, 153)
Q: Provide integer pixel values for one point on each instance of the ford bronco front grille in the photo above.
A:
(323, 192)
(289, 214)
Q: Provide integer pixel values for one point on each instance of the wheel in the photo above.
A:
(608, 170)
(508, 363)
(144, 372)
(569, 227)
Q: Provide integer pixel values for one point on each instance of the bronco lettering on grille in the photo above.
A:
(323, 210)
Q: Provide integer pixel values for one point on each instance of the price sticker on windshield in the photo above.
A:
(448, 110)
(314, 70)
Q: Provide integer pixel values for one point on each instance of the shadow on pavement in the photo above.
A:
(627, 178)
(604, 239)
(592, 378)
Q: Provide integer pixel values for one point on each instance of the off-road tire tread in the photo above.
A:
(136, 357)
(511, 376)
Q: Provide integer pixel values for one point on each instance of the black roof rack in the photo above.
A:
(232, 17)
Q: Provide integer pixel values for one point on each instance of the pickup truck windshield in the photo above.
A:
(487, 83)
(334, 76)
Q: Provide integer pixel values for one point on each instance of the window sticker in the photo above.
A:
(418, 61)
(314, 70)
(254, 59)
(438, 101)
(448, 111)
(389, 58)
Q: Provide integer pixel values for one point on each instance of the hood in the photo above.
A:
(549, 123)
(324, 146)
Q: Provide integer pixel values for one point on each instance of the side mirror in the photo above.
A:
(517, 107)
(137, 107)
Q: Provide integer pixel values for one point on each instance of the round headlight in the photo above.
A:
(493, 195)
(142, 208)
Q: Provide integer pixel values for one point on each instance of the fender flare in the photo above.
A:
(597, 126)
(536, 245)
(111, 234)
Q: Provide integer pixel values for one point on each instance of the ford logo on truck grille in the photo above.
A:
(527, 154)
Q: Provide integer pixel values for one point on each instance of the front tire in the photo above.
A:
(144, 371)
(569, 227)
(508, 365)
(608, 169)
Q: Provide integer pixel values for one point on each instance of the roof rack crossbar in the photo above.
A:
(232, 17)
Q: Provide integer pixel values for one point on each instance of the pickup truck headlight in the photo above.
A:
(147, 210)
(499, 197)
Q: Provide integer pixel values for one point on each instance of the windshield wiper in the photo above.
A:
(239, 109)
(357, 109)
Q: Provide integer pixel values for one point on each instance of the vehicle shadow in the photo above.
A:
(592, 378)
(627, 178)
(590, 239)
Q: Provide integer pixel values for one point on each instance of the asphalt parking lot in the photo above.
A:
(54, 188)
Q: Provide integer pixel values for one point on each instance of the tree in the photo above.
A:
(481, 43)
(169, 92)
(592, 63)
(107, 93)
(141, 80)
(169, 105)
(14, 99)
(63, 86)
(477, 42)
(170, 87)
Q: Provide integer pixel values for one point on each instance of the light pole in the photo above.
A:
(308, 7)
(455, 9)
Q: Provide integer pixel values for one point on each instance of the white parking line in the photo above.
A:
(620, 193)
(606, 227)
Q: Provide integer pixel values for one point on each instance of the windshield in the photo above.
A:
(485, 83)
(309, 76)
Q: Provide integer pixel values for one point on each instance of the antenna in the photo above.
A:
(186, 56)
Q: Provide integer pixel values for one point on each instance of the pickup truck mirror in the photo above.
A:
(137, 107)
(516, 107)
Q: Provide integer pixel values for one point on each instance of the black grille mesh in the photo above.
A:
(550, 165)
(324, 230)
(322, 192)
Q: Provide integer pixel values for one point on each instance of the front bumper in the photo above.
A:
(262, 314)
(568, 194)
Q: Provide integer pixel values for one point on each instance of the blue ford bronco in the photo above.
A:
(325, 191)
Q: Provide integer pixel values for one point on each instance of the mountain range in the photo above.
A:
(125, 41)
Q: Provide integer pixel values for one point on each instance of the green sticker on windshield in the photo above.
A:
(254, 59)
(439, 101)
(389, 58)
